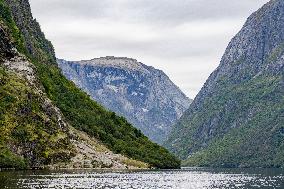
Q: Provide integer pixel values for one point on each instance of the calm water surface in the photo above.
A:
(187, 178)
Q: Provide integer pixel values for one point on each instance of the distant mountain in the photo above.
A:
(46, 121)
(143, 94)
(237, 119)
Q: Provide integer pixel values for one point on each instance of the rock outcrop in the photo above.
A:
(142, 94)
(237, 119)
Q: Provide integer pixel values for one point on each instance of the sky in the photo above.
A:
(184, 38)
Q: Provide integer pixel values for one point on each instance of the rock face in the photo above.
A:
(34, 41)
(142, 94)
(237, 119)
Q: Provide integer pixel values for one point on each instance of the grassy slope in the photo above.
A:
(257, 142)
(26, 126)
(85, 114)
(250, 129)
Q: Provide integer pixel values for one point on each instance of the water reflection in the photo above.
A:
(189, 178)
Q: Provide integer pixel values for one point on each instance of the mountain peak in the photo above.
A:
(116, 58)
(116, 62)
(143, 94)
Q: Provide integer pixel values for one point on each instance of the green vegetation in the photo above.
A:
(10, 160)
(27, 126)
(249, 130)
(257, 142)
(25, 123)
(135, 163)
(8, 21)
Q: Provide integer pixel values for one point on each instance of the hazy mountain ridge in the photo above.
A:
(143, 94)
(237, 118)
(41, 111)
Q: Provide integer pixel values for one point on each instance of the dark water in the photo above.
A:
(188, 178)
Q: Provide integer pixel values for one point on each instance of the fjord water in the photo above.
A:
(187, 178)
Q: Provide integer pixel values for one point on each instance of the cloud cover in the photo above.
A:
(184, 38)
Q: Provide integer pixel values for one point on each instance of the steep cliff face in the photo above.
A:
(237, 119)
(46, 121)
(34, 41)
(144, 95)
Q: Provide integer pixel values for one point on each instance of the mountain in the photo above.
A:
(237, 119)
(143, 94)
(46, 121)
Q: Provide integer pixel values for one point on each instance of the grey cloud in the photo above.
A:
(164, 11)
(184, 38)
(187, 10)
(169, 49)
(52, 9)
